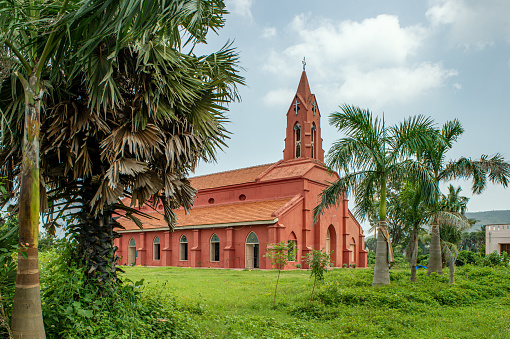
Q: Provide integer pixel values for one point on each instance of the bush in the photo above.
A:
(8, 266)
(423, 260)
(371, 258)
(495, 259)
(474, 284)
(468, 257)
(74, 308)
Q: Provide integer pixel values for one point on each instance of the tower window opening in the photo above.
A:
(297, 140)
(314, 130)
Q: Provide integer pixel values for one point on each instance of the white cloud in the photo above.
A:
(457, 86)
(472, 23)
(269, 32)
(279, 97)
(368, 62)
(240, 7)
(400, 84)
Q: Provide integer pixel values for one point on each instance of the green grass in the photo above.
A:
(238, 304)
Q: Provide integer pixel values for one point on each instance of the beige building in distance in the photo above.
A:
(497, 238)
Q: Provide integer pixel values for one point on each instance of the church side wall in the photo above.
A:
(346, 234)
(256, 191)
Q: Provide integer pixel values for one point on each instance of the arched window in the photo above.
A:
(352, 248)
(156, 247)
(183, 248)
(292, 247)
(252, 238)
(215, 248)
(297, 140)
(131, 252)
(314, 131)
(328, 242)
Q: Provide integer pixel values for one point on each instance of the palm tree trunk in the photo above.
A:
(452, 274)
(27, 320)
(381, 269)
(413, 253)
(435, 262)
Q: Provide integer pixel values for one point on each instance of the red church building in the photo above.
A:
(238, 213)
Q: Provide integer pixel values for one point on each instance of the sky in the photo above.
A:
(447, 59)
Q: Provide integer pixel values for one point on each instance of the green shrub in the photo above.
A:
(8, 265)
(468, 257)
(495, 259)
(73, 308)
(371, 258)
(423, 260)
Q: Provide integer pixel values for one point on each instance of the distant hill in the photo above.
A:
(488, 218)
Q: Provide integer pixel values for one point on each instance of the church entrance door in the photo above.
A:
(251, 259)
(132, 252)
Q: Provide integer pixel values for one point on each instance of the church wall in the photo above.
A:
(256, 191)
(291, 228)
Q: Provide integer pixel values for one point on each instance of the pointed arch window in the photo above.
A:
(156, 249)
(252, 238)
(314, 132)
(183, 248)
(215, 248)
(297, 140)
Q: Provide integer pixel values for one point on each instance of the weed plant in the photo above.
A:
(73, 308)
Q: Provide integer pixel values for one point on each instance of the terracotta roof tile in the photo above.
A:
(234, 177)
(219, 214)
(285, 171)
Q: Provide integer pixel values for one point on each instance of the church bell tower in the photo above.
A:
(303, 136)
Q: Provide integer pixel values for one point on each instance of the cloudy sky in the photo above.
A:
(442, 58)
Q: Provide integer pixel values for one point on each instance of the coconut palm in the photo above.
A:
(370, 156)
(493, 169)
(58, 46)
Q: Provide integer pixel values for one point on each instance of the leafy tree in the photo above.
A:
(279, 255)
(472, 241)
(318, 261)
(370, 244)
(370, 156)
(110, 69)
(494, 169)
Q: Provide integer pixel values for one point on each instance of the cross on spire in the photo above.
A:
(296, 108)
(304, 64)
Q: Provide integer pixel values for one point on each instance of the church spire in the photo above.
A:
(303, 137)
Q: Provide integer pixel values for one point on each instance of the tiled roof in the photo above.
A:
(285, 171)
(216, 214)
(234, 177)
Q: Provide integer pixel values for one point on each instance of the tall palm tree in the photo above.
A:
(370, 156)
(83, 41)
(493, 169)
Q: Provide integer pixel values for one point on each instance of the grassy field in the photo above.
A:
(239, 304)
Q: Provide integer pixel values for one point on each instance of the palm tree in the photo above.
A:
(59, 46)
(416, 213)
(494, 169)
(370, 156)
